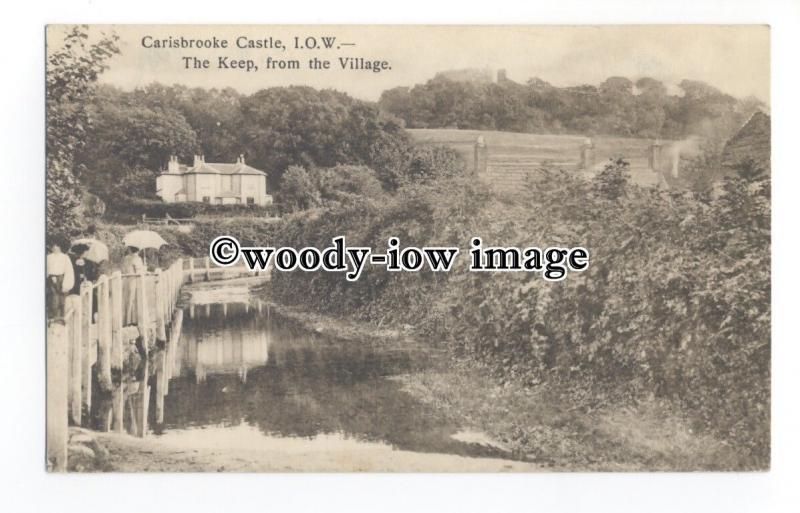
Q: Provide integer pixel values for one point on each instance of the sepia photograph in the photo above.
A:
(408, 248)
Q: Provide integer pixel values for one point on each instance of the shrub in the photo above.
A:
(675, 303)
(126, 209)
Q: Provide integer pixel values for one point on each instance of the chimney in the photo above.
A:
(198, 159)
(240, 160)
(587, 155)
(654, 159)
(173, 166)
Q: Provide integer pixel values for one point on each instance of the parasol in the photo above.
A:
(144, 239)
(96, 252)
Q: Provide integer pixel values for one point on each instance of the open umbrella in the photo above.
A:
(96, 252)
(143, 239)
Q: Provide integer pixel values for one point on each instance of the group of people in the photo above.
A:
(68, 268)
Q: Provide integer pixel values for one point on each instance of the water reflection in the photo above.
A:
(240, 365)
(227, 342)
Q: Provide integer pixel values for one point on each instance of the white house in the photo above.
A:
(213, 182)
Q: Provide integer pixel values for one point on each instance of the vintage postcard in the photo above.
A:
(408, 248)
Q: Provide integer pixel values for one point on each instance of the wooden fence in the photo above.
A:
(165, 221)
(98, 327)
(201, 269)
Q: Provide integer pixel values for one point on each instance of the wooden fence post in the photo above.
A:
(104, 333)
(167, 292)
(87, 347)
(191, 270)
(176, 286)
(76, 358)
(161, 331)
(161, 337)
(57, 383)
(208, 268)
(178, 277)
(174, 336)
(117, 352)
(161, 376)
(144, 331)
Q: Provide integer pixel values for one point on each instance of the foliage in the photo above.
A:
(615, 107)
(299, 190)
(130, 138)
(285, 126)
(700, 172)
(343, 183)
(137, 182)
(417, 214)
(249, 231)
(302, 189)
(213, 114)
(126, 209)
(431, 163)
(274, 128)
(72, 69)
(675, 302)
(611, 182)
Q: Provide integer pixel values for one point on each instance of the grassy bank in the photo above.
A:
(656, 319)
(555, 427)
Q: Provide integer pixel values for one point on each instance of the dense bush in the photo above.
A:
(125, 209)
(417, 214)
(248, 231)
(675, 302)
(303, 189)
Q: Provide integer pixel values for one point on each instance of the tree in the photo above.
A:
(376, 140)
(615, 107)
(705, 110)
(131, 132)
(214, 114)
(299, 191)
(72, 69)
(398, 102)
(299, 126)
(286, 126)
(650, 107)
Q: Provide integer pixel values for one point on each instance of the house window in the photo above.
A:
(237, 201)
(206, 199)
(251, 200)
(218, 201)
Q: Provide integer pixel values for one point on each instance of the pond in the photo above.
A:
(245, 377)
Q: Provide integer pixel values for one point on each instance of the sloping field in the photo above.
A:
(512, 156)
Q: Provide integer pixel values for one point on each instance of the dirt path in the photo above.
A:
(272, 454)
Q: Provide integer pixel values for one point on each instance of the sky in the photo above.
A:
(735, 59)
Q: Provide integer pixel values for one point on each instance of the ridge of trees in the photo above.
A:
(618, 106)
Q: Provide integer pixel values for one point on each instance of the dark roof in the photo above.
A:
(222, 168)
(752, 141)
